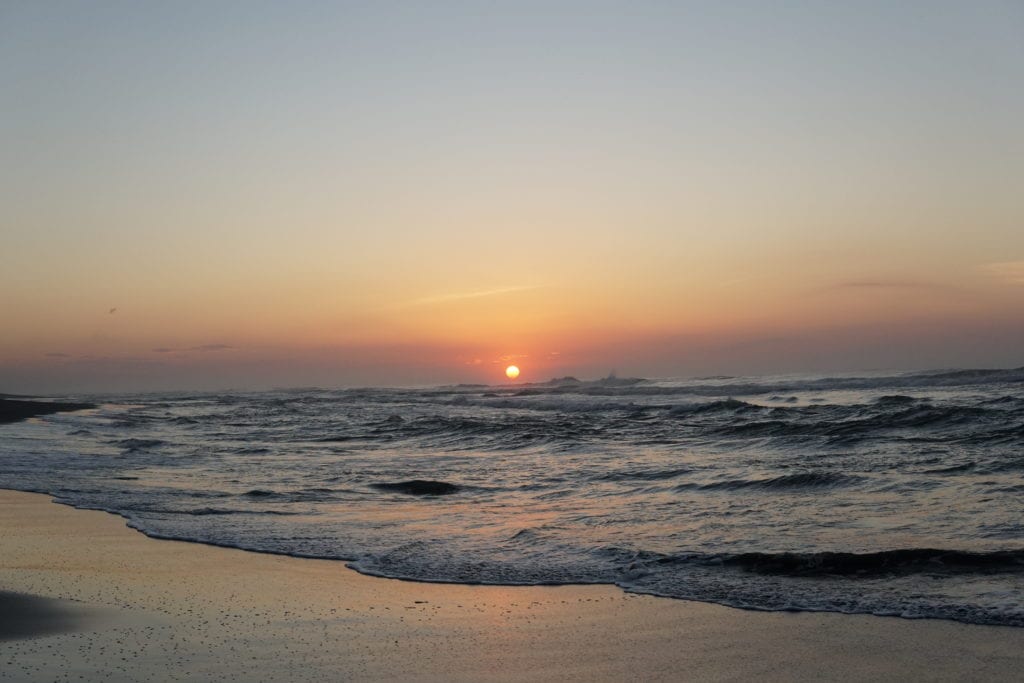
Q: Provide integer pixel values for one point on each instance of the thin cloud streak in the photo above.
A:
(212, 347)
(886, 284)
(1009, 272)
(202, 347)
(446, 298)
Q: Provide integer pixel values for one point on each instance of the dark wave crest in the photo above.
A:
(886, 563)
(803, 480)
(419, 487)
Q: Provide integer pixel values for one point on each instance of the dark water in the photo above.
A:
(885, 494)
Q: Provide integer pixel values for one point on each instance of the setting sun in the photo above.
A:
(511, 372)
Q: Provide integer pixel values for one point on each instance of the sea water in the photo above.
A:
(883, 493)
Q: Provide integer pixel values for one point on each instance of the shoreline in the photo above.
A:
(164, 609)
(347, 564)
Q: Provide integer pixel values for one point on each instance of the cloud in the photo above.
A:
(212, 347)
(459, 296)
(114, 360)
(1009, 272)
(205, 348)
(57, 355)
(886, 284)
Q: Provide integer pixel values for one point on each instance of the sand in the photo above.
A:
(13, 410)
(25, 616)
(120, 606)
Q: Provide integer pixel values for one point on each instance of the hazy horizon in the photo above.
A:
(128, 384)
(247, 195)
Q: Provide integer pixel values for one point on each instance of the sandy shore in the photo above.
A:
(111, 604)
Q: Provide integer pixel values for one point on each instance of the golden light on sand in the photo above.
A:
(511, 372)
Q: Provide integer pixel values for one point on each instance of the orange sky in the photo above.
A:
(345, 195)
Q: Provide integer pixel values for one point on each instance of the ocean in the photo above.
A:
(877, 493)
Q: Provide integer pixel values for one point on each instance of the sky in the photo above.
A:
(202, 195)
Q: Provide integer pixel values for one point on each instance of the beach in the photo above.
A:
(125, 607)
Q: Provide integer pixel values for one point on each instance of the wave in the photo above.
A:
(851, 422)
(132, 512)
(897, 399)
(137, 444)
(644, 475)
(726, 405)
(901, 562)
(976, 375)
(200, 512)
(418, 487)
(487, 432)
(560, 423)
(953, 469)
(309, 495)
(803, 480)
(1003, 400)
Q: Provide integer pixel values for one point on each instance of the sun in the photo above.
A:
(511, 372)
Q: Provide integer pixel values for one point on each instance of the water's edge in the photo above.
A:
(350, 564)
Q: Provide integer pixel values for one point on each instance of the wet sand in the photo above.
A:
(13, 410)
(27, 616)
(166, 610)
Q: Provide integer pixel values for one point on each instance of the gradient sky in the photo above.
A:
(218, 194)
